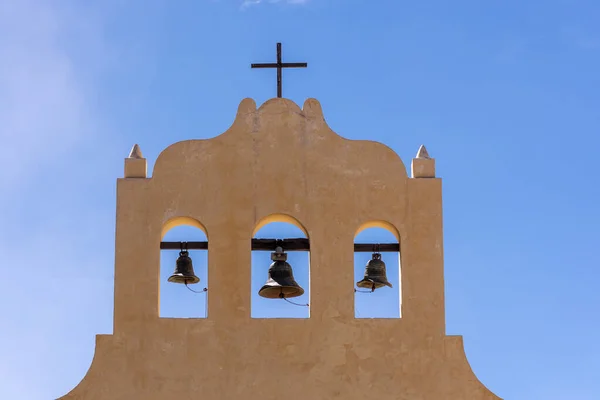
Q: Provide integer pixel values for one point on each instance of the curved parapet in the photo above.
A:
(457, 358)
(277, 121)
(101, 364)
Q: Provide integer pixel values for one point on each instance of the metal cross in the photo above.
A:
(280, 65)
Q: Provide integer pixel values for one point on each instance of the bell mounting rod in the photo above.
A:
(299, 244)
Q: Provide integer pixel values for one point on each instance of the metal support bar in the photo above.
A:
(299, 244)
(382, 247)
(186, 245)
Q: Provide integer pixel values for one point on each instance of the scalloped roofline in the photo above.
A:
(247, 108)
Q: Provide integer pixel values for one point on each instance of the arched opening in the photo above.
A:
(180, 295)
(373, 297)
(286, 295)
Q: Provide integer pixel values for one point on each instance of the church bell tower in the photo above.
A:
(279, 162)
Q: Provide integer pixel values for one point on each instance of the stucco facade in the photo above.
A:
(279, 162)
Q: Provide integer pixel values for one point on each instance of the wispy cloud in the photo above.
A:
(250, 3)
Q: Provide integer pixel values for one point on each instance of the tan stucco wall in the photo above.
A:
(279, 159)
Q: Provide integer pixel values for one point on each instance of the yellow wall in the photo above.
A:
(279, 159)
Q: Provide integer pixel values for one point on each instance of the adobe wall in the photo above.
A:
(279, 159)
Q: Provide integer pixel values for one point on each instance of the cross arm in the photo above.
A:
(294, 65)
(271, 65)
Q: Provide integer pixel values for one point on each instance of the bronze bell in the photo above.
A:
(184, 270)
(375, 274)
(281, 282)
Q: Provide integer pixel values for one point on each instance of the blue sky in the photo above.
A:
(503, 93)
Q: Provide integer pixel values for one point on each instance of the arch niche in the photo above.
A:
(177, 300)
(384, 302)
(280, 226)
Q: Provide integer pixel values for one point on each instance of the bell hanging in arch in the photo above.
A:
(375, 274)
(281, 282)
(184, 270)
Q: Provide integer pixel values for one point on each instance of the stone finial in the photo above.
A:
(423, 166)
(136, 165)
(422, 153)
(135, 152)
